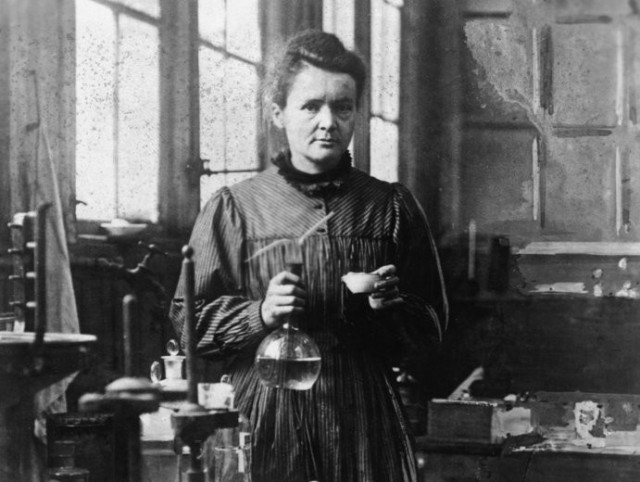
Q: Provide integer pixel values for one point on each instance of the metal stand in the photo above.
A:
(192, 423)
(127, 398)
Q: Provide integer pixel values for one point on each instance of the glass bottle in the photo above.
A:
(288, 357)
(173, 368)
(227, 453)
(63, 459)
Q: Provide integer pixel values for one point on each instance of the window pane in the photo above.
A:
(139, 120)
(241, 115)
(95, 86)
(338, 17)
(211, 15)
(212, 130)
(384, 150)
(243, 29)
(385, 59)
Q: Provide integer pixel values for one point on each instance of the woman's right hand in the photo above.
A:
(285, 296)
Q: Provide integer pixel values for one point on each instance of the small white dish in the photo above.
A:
(360, 282)
(122, 227)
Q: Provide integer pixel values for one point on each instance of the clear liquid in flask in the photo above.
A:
(294, 374)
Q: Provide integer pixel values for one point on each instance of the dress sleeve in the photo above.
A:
(417, 326)
(422, 283)
(227, 321)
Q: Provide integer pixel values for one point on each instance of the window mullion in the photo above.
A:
(179, 119)
(362, 43)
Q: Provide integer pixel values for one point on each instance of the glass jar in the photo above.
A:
(63, 461)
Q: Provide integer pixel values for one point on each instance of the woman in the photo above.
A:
(350, 425)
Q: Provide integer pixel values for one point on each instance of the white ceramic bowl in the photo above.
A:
(360, 282)
(120, 227)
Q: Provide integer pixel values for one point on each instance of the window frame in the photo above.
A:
(118, 10)
(205, 167)
(180, 166)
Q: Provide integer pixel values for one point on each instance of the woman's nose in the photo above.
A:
(326, 118)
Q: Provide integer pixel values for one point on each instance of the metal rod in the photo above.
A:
(129, 305)
(41, 277)
(135, 447)
(190, 323)
(195, 473)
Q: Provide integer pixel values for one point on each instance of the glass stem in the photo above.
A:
(293, 266)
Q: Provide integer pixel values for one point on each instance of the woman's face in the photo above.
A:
(318, 119)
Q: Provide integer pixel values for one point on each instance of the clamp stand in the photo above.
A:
(192, 423)
(127, 398)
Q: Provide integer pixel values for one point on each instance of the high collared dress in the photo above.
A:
(350, 425)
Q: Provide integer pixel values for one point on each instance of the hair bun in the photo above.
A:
(316, 44)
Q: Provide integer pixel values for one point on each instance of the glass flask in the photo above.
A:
(288, 357)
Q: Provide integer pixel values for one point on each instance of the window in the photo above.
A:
(229, 64)
(118, 77)
(118, 108)
(384, 65)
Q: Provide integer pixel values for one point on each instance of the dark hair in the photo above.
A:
(320, 49)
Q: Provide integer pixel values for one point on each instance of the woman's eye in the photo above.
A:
(311, 107)
(345, 109)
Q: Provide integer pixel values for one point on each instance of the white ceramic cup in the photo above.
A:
(216, 396)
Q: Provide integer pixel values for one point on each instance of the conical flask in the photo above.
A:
(288, 357)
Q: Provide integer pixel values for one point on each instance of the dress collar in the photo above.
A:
(313, 184)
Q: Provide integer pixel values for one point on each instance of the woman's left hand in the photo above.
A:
(386, 292)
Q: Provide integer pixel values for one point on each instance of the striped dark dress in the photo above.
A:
(350, 425)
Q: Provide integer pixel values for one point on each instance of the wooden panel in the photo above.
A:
(631, 193)
(580, 344)
(616, 272)
(41, 71)
(548, 466)
(580, 188)
(585, 63)
(5, 106)
(543, 343)
(497, 71)
(582, 8)
(633, 50)
(493, 156)
(487, 7)
(453, 468)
